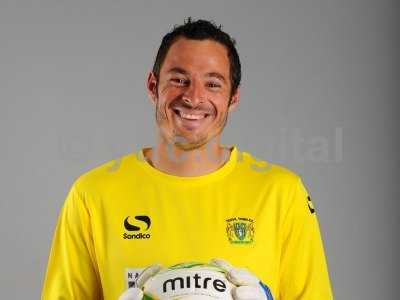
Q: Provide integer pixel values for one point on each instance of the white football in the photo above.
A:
(189, 281)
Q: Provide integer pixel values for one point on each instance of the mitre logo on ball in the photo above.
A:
(189, 281)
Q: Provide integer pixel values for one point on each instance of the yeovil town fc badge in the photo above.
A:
(240, 230)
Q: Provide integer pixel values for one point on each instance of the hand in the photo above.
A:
(249, 287)
(136, 293)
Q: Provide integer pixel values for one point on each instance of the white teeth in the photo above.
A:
(191, 117)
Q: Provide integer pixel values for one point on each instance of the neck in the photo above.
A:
(173, 160)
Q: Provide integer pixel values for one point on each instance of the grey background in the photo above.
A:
(319, 95)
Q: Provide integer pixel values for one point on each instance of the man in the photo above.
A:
(189, 198)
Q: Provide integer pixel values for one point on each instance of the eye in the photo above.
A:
(213, 85)
(180, 81)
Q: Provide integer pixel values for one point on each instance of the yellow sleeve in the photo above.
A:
(72, 269)
(303, 270)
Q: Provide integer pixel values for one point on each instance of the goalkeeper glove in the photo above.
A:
(249, 287)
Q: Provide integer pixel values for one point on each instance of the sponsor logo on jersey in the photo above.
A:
(310, 205)
(240, 230)
(135, 229)
(131, 275)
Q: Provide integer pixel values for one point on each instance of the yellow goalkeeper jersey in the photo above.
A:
(125, 215)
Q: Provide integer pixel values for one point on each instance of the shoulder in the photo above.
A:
(106, 174)
(261, 169)
(277, 182)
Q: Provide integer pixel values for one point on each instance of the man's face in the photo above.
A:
(193, 92)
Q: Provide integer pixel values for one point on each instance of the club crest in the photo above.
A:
(240, 230)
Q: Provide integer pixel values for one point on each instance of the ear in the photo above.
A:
(234, 100)
(151, 86)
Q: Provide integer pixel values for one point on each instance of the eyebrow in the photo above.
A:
(177, 70)
(217, 75)
(210, 74)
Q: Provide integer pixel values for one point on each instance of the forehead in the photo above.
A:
(200, 56)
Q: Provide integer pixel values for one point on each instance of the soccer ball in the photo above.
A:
(189, 281)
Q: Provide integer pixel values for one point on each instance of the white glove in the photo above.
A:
(248, 285)
(136, 293)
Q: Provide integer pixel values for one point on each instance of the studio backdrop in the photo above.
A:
(319, 94)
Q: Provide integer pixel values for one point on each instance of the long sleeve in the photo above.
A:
(303, 271)
(72, 269)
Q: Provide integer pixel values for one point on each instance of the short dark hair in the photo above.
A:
(201, 30)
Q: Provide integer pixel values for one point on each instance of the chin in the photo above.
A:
(187, 141)
(189, 144)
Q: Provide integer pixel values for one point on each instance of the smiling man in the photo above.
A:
(189, 198)
(193, 91)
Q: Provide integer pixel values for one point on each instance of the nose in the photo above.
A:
(194, 94)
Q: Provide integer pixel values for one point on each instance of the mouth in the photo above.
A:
(190, 120)
(188, 116)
